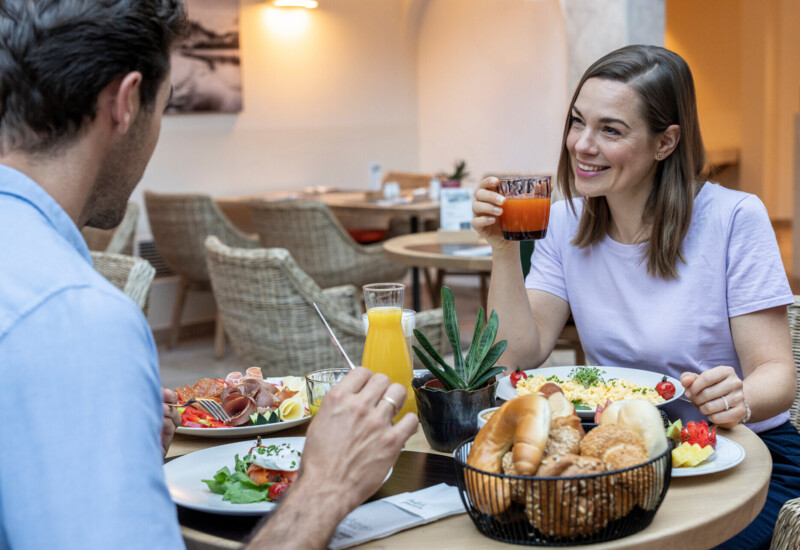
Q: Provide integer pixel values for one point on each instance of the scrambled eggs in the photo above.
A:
(615, 389)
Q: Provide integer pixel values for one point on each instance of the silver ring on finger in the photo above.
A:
(725, 400)
(392, 402)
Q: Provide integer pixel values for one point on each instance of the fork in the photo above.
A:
(212, 407)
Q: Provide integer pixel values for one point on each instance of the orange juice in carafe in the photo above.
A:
(386, 347)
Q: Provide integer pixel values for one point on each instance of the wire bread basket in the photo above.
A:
(562, 511)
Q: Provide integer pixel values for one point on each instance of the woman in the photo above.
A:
(660, 270)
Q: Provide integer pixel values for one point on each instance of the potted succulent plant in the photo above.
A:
(454, 179)
(450, 397)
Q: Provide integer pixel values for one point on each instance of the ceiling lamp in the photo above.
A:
(310, 4)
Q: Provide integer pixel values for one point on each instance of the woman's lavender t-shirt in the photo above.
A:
(628, 318)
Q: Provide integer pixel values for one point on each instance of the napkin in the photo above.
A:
(390, 515)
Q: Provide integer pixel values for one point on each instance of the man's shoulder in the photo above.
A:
(41, 269)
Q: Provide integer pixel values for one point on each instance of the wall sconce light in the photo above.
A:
(310, 4)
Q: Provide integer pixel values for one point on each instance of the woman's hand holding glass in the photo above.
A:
(487, 209)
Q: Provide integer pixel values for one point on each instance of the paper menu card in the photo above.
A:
(455, 208)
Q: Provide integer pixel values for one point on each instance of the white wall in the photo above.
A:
(492, 85)
(326, 92)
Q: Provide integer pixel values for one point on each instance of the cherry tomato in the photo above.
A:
(665, 389)
(516, 376)
(277, 489)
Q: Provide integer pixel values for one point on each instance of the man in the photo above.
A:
(83, 84)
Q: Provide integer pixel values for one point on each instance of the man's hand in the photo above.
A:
(351, 445)
(171, 418)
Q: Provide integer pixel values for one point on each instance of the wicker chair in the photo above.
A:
(265, 300)
(133, 276)
(118, 240)
(320, 245)
(180, 225)
(787, 528)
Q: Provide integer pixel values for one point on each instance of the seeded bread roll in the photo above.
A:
(571, 507)
(565, 425)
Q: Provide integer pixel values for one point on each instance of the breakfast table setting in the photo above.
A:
(697, 511)
(575, 456)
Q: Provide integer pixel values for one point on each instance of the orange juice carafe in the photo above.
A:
(386, 348)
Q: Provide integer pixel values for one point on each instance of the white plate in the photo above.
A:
(244, 431)
(727, 455)
(184, 477)
(645, 378)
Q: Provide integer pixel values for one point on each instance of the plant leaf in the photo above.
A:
(473, 346)
(451, 327)
(486, 376)
(447, 376)
(428, 347)
(489, 360)
(485, 341)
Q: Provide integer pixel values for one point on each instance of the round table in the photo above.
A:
(697, 512)
(460, 251)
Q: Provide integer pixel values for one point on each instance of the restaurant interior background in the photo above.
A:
(418, 84)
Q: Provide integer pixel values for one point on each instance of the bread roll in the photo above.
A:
(522, 422)
(645, 420)
(566, 430)
(571, 507)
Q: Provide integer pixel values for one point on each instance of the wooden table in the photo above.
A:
(344, 204)
(697, 512)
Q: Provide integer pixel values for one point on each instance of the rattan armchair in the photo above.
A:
(320, 245)
(266, 305)
(118, 240)
(786, 535)
(180, 225)
(133, 276)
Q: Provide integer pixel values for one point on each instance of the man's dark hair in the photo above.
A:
(57, 55)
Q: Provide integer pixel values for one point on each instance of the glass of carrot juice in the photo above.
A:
(526, 210)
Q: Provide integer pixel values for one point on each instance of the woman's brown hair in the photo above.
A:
(666, 89)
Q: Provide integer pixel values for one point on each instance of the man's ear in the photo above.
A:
(126, 101)
(668, 141)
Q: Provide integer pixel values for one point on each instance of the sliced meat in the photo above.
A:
(209, 387)
(255, 372)
(239, 408)
(285, 393)
(229, 391)
(267, 400)
(233, 378)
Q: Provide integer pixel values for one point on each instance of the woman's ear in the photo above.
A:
(126, 101)
(668, 141)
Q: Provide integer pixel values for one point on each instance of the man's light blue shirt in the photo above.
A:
(80, 397)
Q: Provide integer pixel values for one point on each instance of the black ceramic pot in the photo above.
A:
(450, 417)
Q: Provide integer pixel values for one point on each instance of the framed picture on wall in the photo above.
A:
(206, 72)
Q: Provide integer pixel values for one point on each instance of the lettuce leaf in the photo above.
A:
(236, 487)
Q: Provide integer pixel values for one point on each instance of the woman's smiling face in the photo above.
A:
(611, 149)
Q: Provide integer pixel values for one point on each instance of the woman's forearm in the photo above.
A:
(508, 297)
(769, 390)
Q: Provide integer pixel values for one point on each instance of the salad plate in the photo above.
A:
(726, 455)
(506, 391)
(185, 475)
(245, 431)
